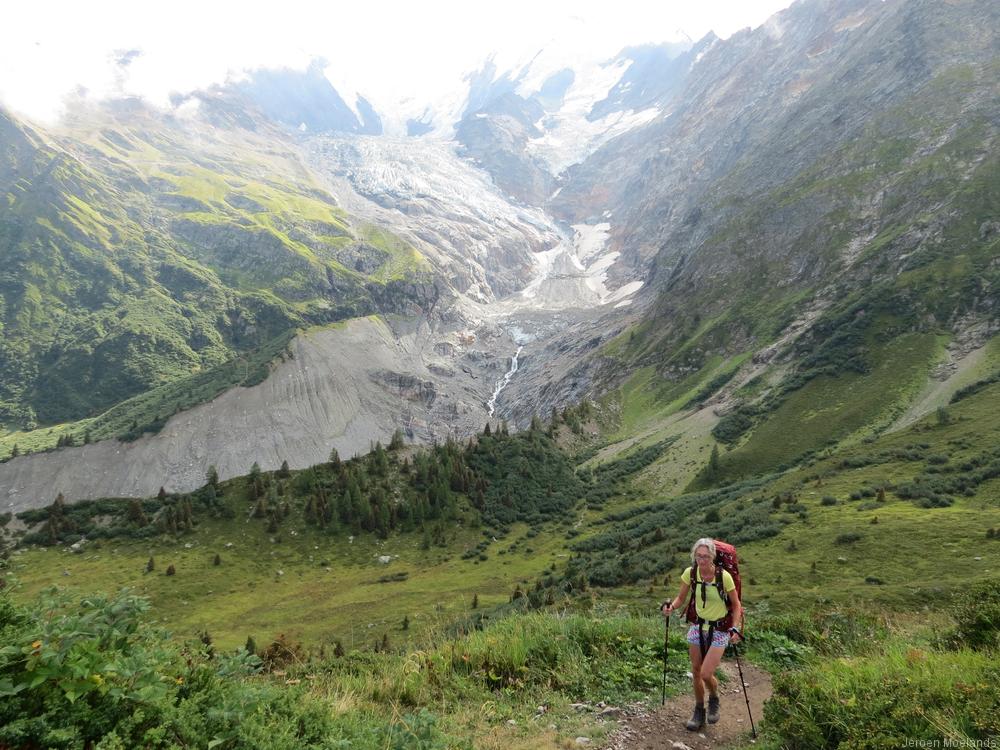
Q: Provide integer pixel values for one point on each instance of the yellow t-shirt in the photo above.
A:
(714, 607)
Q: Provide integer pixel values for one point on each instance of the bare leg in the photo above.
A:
(708, 667)
(696, 670)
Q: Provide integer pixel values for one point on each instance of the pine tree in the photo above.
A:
(406, 622)
(216, 561)
(161, 495)
(397, 441)
(380, 461)
(135, 514)
(260, 509)
(255, 479)
(335, 461)
(251, 646)
(212, 477)
(171, 570)
(713, 462)
(475, 601)
(284, 472)
(338, 650)
(150, 565)
(15, 451)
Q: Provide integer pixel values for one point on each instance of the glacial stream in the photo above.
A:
(502, 382)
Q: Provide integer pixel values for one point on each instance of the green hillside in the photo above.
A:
(397, 556)
(137, 258)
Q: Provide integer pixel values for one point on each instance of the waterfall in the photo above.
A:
(502, 382)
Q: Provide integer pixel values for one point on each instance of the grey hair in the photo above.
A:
(706, 542)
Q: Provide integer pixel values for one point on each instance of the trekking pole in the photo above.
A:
(666, 633)
(739, 666)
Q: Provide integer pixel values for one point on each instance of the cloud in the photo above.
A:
(388, 51)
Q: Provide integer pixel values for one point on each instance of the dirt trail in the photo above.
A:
(663, 729)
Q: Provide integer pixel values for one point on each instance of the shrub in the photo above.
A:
(733, 425)
(91, 674)
(849, 537)
(828, 500)
(976, 609)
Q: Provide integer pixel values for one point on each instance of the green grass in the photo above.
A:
(828, 409)
(906, 695)
(480, 688)
(309, 602)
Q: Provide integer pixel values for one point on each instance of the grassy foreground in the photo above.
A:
(78, 672)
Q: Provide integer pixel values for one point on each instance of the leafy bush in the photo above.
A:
(89, 673)
(777, 651)
(733, 425)
(977, 611)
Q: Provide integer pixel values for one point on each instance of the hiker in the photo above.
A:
(715, 615)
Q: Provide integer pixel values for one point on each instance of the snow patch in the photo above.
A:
(570, 137)
(574, 274)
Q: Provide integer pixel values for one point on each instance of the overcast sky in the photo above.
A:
(385, 50)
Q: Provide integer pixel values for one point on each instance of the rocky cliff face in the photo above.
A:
(791, 193)
(800, 163)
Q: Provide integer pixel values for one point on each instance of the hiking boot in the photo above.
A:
(713, 709)
(697, 720)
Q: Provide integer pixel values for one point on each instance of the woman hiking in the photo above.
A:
(715, 626)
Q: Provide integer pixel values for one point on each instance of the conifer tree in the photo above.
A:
(150, 565)
(713, 462)
(397, 441)
(380, 461)
(255, 479)
(135, 514)
(212, 477)
(284, 472)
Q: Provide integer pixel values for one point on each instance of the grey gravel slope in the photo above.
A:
(344, 387)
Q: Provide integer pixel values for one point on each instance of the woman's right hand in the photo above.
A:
(666, 608)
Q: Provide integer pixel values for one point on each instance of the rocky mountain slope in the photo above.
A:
(821, 186)
(757, 219)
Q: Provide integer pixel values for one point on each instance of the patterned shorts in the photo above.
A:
(720, 638)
